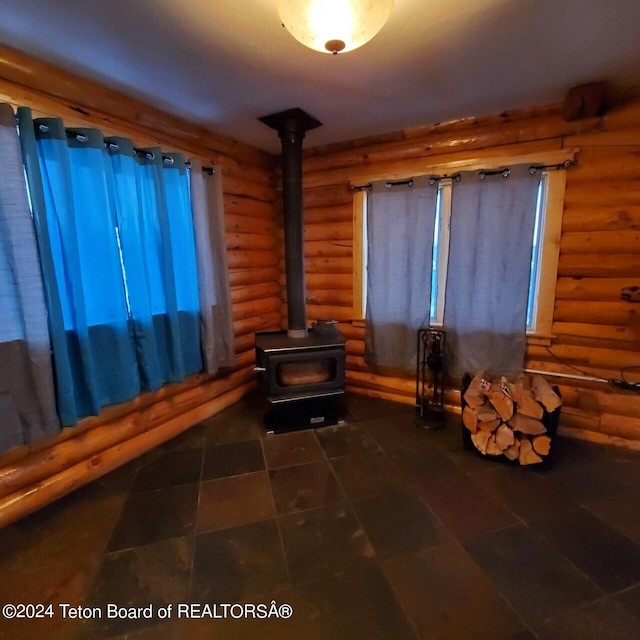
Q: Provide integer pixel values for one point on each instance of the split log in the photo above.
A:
(492, 447)
(527, 454)
(513, 452)
(475, 393)
(480, 439)
(541, 445)
(526, 403)
(470, 419)
(505, 437)
(489, 425)
(525, 424)
(500, 397)
(544, 394)
(486, 413)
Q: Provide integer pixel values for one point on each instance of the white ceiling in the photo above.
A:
(224, 63)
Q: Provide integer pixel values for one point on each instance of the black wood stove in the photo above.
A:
(301, 371)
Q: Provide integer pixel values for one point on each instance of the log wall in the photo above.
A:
(33, 476)
(595, 331)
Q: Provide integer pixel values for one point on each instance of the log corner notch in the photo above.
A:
(509, 419)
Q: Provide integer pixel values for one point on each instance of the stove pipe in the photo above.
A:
(291, 126)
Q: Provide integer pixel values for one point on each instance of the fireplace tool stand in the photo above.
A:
(430, 379)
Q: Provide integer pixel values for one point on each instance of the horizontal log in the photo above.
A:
(355, 347)
(333, 281)
(550, 366)
(250, 242)
(251, 173)
(600, 218)
(356, 363)
(574, 354)
(604, 400)
(253, 190)
(34, 496)
(240, 206)
(350, 331)
(235, 223)
(599, 438)
(258, 323)
(607, 163)
(598, 333)
(383, 383)
(340, 298)
(317, 311)
(256, 275)
(328, 249)
(623, 427)
(254, 291)
(615, 138)
(244, 259)
(607, 289)
(327, 196)
(593, 265)
(619, 193)
(327, 265)
(341, 214)
(326, 232)
(622, 313)
(253, 308)
(600, 242)
(573, 418)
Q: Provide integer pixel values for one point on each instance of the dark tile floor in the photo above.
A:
(372, 529)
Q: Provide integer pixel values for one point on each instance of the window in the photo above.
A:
(544, 261)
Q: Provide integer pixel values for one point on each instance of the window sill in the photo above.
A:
(540, 339)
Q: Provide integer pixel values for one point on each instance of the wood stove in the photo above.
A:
(301, 371)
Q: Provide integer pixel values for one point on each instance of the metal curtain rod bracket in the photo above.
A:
(505, 173)
(550, 167)
(455, 177)
(361, 187)
(398, 183)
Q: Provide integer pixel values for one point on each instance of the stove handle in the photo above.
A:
(259, 369)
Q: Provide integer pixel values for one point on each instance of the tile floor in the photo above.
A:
(373, 529)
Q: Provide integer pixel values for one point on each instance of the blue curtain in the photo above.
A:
(485, 314)
(94, 352)
(156, 235)
(27, 402)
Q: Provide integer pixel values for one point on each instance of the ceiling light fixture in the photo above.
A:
(333, 26)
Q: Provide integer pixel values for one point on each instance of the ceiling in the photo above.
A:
(224, 63)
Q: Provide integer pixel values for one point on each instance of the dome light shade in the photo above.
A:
(333, 26)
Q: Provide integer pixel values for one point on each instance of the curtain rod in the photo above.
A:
(81, 137)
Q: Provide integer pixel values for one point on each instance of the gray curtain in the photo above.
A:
(400, 224)
(492, 223)
(213, 273)
(27, 401)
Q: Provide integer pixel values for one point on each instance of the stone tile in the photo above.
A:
(367, 474)
(232, 459)
(236, 565)
(356, 604)
(423, 462)
(76, 526)
(344, 440)
(594, 621)
(155, 515)
(193, 438)
(51, 585)
(230, 502)
(156, 574)
(621, 513)
(582, 538)
(630, 600)
(363, 408)
(321, 542)
(534, 578)
(398, 523)
(123, 476)
(238, 423)
(396, 431)
(289, 449)
(170, 470)
(464, 507)
(525, 493)
(446, 595)
(304, 487)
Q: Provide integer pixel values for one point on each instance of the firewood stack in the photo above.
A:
(505, 418)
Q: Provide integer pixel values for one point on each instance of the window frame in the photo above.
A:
(550, 228)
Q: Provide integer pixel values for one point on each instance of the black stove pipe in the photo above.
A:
(292, 126)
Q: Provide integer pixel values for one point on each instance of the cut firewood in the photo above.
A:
(475, 393)
(480, 439)
(544, 394)
(504, 437)
(527, 454)
(500, 398)
(489, 425)
(541, 445)
(526, 403)
(513, 452)
(492, 447)
(486, 413)
(470, 419)
(525, 424)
